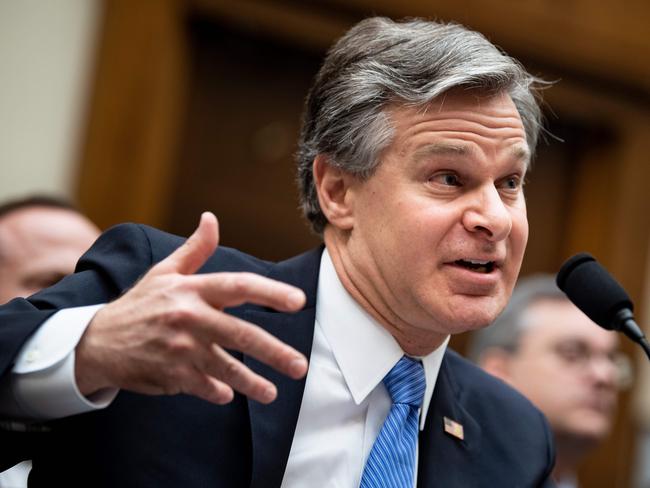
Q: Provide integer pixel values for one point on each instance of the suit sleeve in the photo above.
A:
(119, 257)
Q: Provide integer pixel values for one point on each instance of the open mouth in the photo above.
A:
(478, 266)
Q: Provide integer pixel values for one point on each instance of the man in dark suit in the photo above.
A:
(415, 143)
(41, 240)
(542, 335)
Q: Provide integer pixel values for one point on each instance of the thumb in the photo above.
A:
(196, 250)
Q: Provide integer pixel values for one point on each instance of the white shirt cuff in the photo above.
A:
(43, 379)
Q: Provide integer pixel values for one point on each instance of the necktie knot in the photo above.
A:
(406, 383)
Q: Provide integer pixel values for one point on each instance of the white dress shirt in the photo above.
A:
(16, 477)
(569, 481)
(344, 404)
(42, 384)
(345, 401)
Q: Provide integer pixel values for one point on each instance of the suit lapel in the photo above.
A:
(273, 426)
(444, 459)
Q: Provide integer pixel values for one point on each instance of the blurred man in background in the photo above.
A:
(41, 239)
(566, 365)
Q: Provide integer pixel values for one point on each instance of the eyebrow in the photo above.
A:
(519, 153)
(442, 149)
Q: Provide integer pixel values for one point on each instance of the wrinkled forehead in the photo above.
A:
(491, 116)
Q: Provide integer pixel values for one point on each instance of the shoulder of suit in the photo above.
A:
(475, 387)
(163, 243)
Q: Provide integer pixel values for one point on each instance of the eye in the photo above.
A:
(572, 352)
(512, 183)
(445, 179)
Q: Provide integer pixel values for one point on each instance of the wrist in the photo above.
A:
(88, 367)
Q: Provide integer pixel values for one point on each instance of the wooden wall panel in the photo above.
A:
(240, 138)
(133, 125)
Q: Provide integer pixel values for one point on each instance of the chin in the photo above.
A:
(468, 320)
(454, 313)
(478, 313)
(592, 430)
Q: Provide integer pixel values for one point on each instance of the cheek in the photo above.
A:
(520, 230)
(516, 248)
(10, 289)
(409, 229)
(435, 226)
(549, 387)
(532, 375)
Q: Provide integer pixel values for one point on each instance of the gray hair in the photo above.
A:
(379, 62)
(506, 331)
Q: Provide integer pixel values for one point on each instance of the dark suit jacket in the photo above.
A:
(181, 441)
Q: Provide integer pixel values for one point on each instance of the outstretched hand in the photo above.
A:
(167, 334)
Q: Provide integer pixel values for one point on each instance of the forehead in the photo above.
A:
(552, 320)
(460, 122)
(27, 230)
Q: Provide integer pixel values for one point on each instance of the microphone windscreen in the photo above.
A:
(592, 289)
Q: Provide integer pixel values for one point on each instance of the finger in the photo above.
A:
(208, 388)
(222, 365)
(224, 289)
(196, 250)
(233, 333)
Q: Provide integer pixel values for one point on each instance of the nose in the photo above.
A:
(603, 371)
(488, 214)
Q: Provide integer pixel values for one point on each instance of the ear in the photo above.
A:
(497, 362)
(332, 186)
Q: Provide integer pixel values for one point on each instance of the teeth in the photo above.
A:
(479, 266)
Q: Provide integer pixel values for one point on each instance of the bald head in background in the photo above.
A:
(41, 240)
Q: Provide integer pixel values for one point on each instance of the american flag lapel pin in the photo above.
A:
(453, 428)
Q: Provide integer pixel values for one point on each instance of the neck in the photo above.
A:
(570, 452)
(414, 340)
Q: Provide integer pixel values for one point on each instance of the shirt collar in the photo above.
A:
(364, 350)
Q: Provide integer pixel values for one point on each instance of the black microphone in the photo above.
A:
(594, 291)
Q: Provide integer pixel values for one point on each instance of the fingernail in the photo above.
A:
(226, 396)
(295, 299)
(298, 367)
(269, 394)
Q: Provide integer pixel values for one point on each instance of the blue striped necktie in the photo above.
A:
(391, 462)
